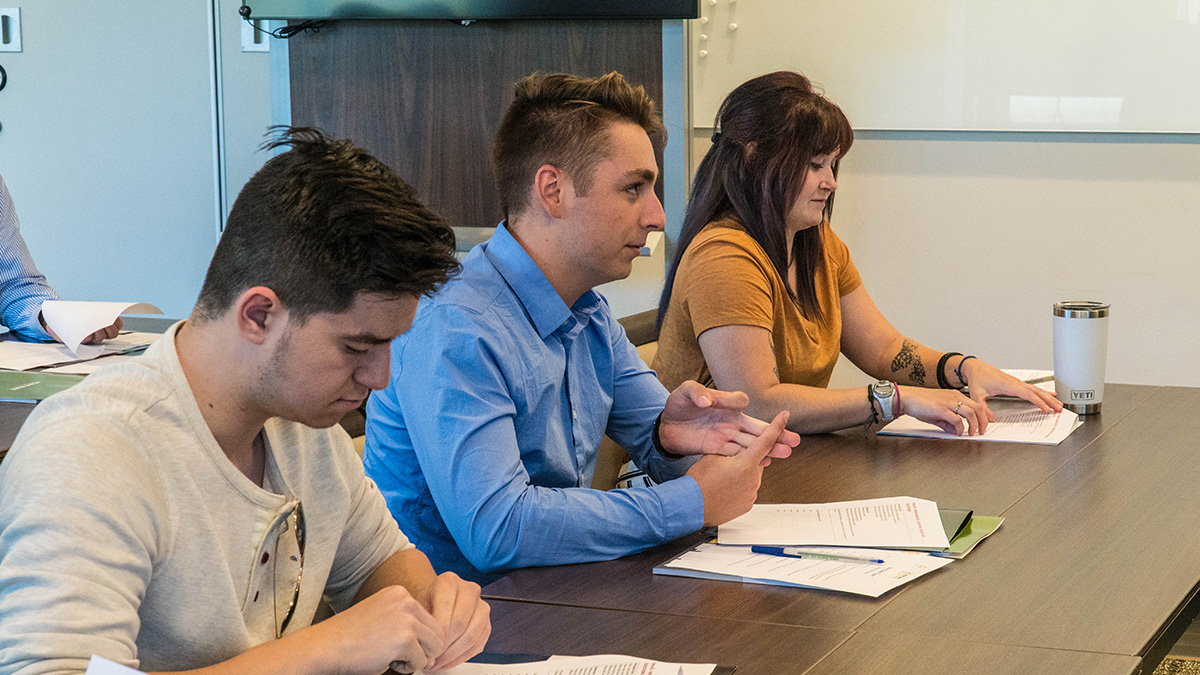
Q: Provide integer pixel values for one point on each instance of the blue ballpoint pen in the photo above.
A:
(792, 552)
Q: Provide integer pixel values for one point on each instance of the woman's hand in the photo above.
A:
(947, 409)
(985, 381)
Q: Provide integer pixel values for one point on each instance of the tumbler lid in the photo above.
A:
(1081, 309)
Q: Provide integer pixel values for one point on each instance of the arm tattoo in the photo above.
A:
(908, 356)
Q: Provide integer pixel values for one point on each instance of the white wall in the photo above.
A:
(1066, 65)
(639, 291)
(107, 147)
(108, 144)
(246, 101)
(965, 241)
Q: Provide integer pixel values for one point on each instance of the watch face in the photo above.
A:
(885, 393)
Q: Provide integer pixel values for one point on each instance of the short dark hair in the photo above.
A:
(769, 129)
(320, 224)
(563, 120)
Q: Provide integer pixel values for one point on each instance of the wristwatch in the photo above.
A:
(884, 392)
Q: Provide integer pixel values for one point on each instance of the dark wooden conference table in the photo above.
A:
(1095, 569)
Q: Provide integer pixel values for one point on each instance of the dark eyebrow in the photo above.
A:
(643, 174)
(366, 338)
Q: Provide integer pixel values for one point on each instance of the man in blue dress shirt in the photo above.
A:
(485, 440)
(22, 288)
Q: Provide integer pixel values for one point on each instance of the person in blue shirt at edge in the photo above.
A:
(485, 440)
(23, 289)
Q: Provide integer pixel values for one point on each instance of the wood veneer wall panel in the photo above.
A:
(427, 96)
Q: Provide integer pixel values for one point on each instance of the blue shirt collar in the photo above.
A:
(543, 305)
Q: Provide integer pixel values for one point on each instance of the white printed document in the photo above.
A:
(739, 563)
(89, 367)
(889, 522)
(102, 666)
(1042, 379)
(16, 355)
(604, 664)
(74, 320)
(1015, 422)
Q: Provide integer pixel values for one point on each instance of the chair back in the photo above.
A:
(641, 330)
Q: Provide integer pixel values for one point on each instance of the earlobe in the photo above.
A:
(550, 186)
(258, 312)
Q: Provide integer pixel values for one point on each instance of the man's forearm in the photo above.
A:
(408, 568)
(294, 654)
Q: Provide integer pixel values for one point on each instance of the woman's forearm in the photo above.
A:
(814, 410)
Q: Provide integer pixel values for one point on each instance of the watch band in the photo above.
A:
(887, 403)
(657, 440)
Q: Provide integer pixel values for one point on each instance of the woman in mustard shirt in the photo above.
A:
(762, 295)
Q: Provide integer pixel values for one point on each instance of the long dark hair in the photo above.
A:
(768, 131)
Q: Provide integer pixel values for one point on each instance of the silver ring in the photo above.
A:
(957, 407)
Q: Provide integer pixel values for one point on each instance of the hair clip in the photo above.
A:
(716, 137)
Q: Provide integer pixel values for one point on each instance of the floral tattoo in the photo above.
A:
(908, 356)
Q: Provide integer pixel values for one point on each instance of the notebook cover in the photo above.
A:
(953, 521)
(31, 387)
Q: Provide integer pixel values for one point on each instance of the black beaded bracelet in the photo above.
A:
(941, 370)
(657, 440)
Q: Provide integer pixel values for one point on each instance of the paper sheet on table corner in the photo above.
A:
(99, 665)
(886, 522)
(1042, 379)
(1016, 422)
(583, 665)
(741, 564)
(556, 665)
(74, 320)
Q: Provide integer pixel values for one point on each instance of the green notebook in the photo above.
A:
(27, 387)
(953, 521)
(976, 529)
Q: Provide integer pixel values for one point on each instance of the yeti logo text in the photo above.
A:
(1083, 395)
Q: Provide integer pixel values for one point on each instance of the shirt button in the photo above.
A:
(265, 557)
(574, 415)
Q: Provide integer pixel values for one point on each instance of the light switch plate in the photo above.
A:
(10, 29)
(255, 40)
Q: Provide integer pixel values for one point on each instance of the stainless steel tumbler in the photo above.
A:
(1080, 354)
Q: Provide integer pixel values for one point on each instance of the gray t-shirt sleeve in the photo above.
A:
(79, 538)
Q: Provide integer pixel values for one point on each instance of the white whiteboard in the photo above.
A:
(1008, 65)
